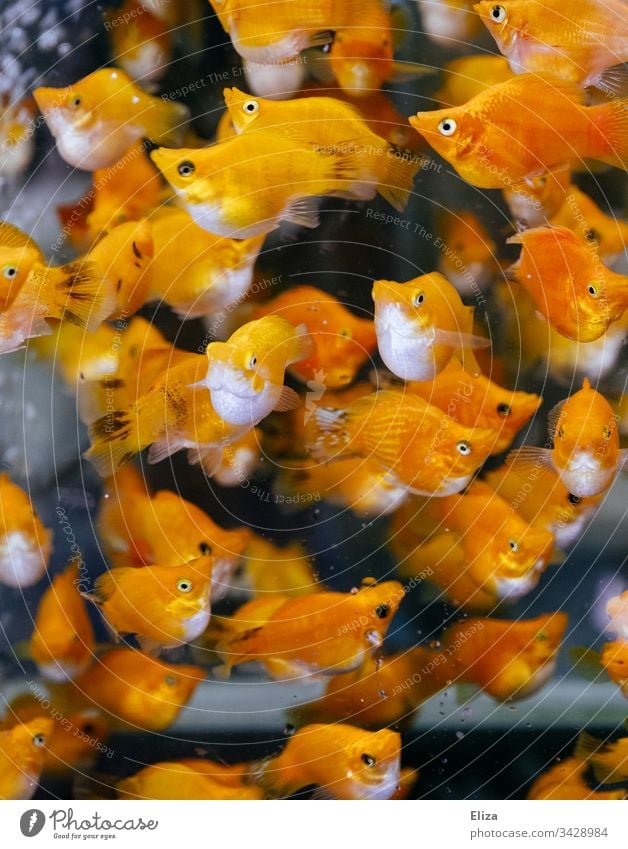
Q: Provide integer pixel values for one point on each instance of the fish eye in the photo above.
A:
(368, 760)
(561, 433)
(170, 680)
(186, 169)
(184, 585)
(75, 102)
(251, 107)
(205, 548)
(593, 290)
(447, 127)
(88, 728)
(573, 499)
(543, 635)
(592, 236)
(10, 271)
(607, 432)
(382, 611)
(514, 545)
(39, 740)
(463, 447)
(345, 333)
(252, 362)
(498, 14)
(418, 299)
(504, 410)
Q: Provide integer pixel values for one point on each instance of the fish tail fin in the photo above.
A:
(327, 434)
(588, 748)
(612, 122)
(586, 745)
(114, 441)
(398, 178)
(80, 296)
(171, 120)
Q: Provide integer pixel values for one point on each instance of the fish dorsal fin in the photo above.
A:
(553, 416)
(13, 237)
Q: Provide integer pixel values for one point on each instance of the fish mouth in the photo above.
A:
(379, 784)
(394, 317)
(225, 378)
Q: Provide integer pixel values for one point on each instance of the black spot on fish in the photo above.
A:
(137, 251)
(111, 426)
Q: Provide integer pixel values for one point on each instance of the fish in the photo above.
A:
(327, 125)
(140, 528)
(468, 255)
(245, 374)
(614, 660)
(609, 760)
(617, 609)
(472, 399)
(357, 484)
(76, 739)
(272, 31)
(523, 127)
(18, 255)
(585, 451)
(583, 216)
(25, 543)
(420, 324)
(544, 501)
(541, 39)
(448, 23)
(135, 689)
(74, 293)
(63, 642)
(124, 259)
(469, 75)
(96, 120)
(479, 551)
(198, 273)
(344, 762)
(565, 780)
(164, 606)
(343, 342)
(420, 446)
(188, 779)
(237, 462)
(507, 659)
(142, 45)
(342, 629)
(247, 185)
(585, 296)
(537, 199)
(17, 135)
(277, 570)
(22, 752)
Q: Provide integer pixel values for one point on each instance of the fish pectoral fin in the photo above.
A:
(529, 458)
(460, 340)
(303, 212)
(288, 400)
(552, 417)
(613, 81)
(209, 458)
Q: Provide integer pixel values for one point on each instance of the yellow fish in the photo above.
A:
(22, 752)
(141, 43)
(97, 119)
(469, 75)
(17, 136)
(25, 544)
(582, 215)
(282, 570)
(18, 254)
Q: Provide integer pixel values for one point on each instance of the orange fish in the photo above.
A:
(472, 399)
(523, 127)
(123, 258)
(247, 185)
(508, 659)
(283, 570)
(195, 272)
(63, 643)
(164, 606)
(137, 690)
(544, 501)
(245, 375)
(470, 75)
(542, 39)
(76, 740)
(343, 761)
(359, 485)
(141, 43)
(342, 629)
(608, 759)
(581, 215)
(25, 544)
(585, 451)
(18, 255)
(536, 200)
(477, 548)
(420, 446)
(17, 135)
(343, 342)
(614, 659)
(420, 324)
(565, 780)
(329, 125)
(467, 255)
(22, 752)
(96, 120)
(188, 779)
(585, 297)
